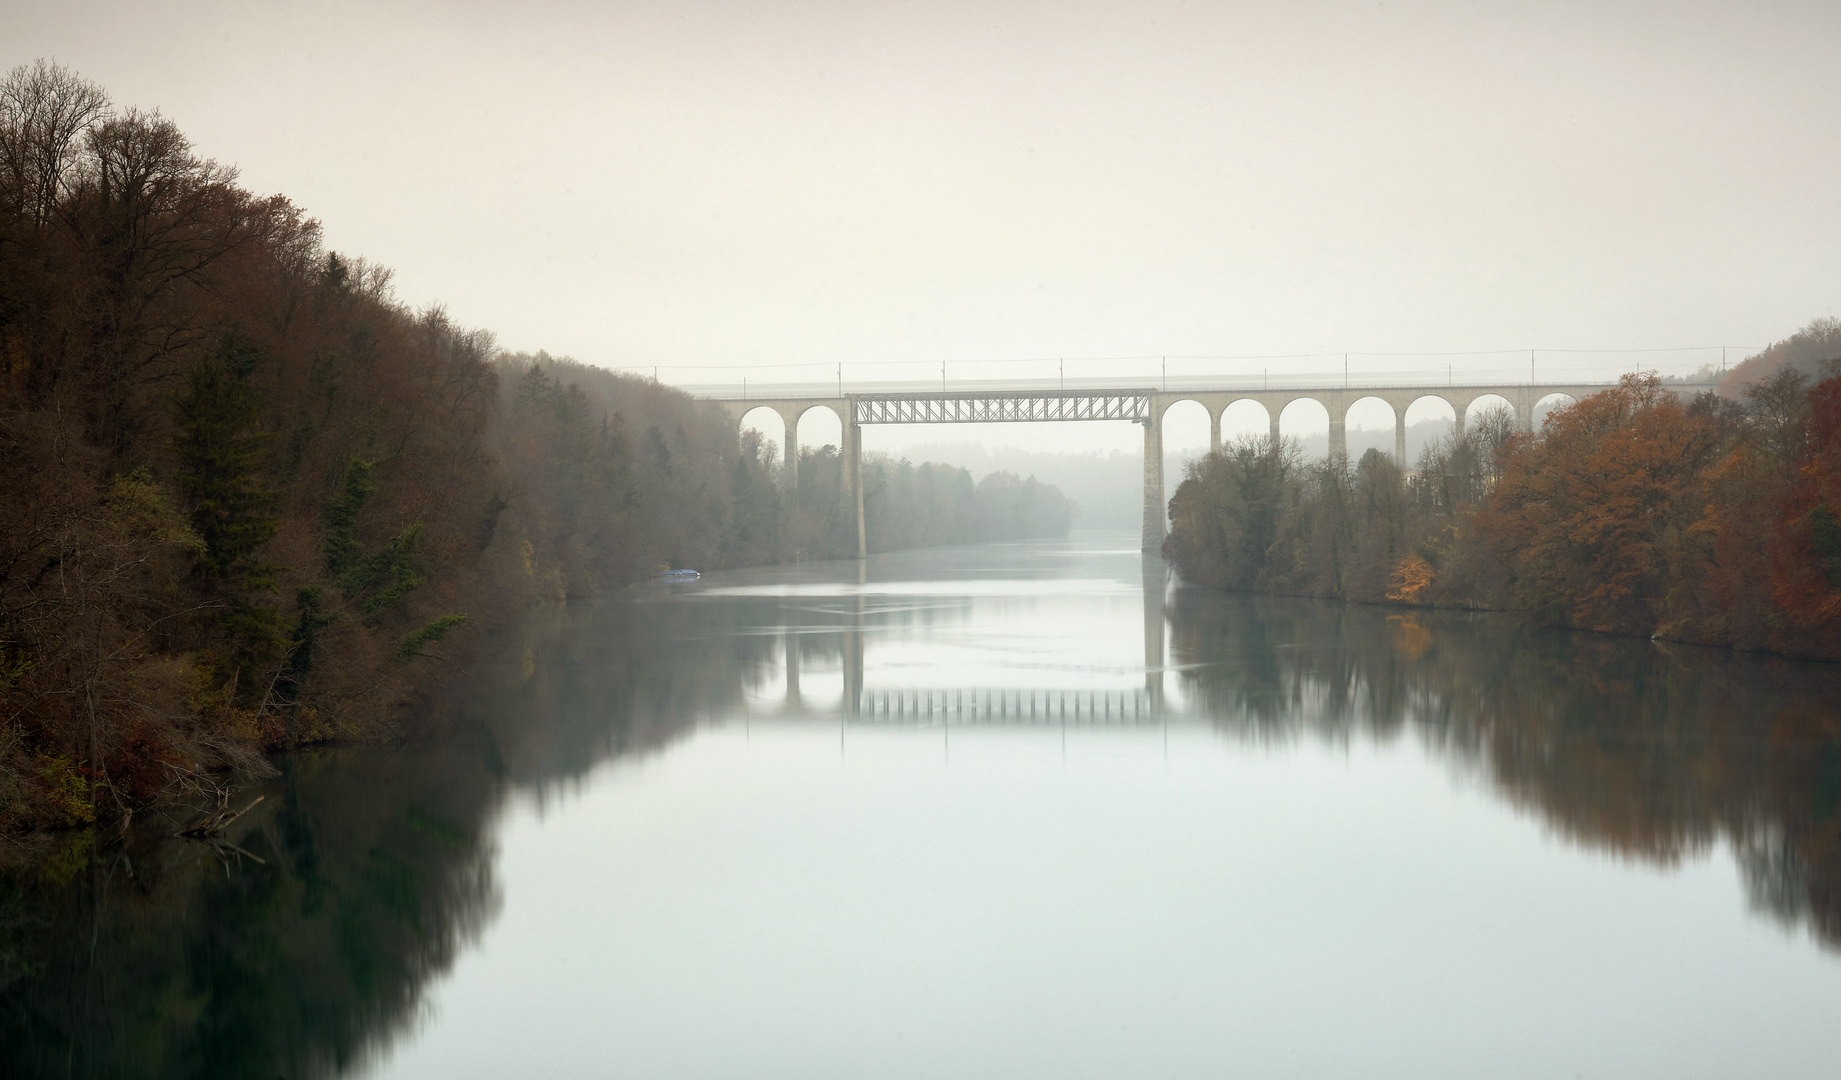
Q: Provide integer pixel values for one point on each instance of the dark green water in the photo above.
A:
(1005, 811)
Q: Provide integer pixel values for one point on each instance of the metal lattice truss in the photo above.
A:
(1001, 406)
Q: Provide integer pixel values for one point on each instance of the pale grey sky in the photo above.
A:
(702, 184)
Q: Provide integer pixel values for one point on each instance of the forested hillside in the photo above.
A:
(1708, 520)
(1804, 352)
(694, 495)
(251, 500)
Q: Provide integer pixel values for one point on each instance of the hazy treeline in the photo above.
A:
(1707, 520)
(927, 505)
(1106, 490)
(701, 502)
(1805, 352)
(251, 499)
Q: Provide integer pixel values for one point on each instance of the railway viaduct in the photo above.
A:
(1140, 406)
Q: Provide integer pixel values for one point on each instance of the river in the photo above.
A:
(1020, 810)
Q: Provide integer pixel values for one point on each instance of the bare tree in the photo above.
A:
(1779, 410)
(45, 111)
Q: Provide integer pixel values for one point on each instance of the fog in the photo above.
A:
(850, 194)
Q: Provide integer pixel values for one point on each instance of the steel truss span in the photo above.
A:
(1001, 407)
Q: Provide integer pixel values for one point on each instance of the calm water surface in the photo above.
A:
(1014, 810)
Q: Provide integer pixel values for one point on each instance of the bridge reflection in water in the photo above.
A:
(987, 705)
(999, 706)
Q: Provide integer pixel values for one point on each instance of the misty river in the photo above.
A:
(1008, 810)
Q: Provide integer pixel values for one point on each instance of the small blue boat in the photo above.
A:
(673, 576)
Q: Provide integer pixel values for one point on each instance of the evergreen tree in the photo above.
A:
(222, 460)
(339, 540)
(222, 455)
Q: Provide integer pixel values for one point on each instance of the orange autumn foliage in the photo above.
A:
(1596, 518)
(1411, 578)
(1702, 521)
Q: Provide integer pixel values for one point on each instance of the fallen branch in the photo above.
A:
(225, 849)
(217, 822)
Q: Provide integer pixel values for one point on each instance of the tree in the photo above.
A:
(1225, 515)
(222, 455)
(1595, 519)
(45, 112)
(1805, 546)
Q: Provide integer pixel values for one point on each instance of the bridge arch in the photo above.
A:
(1372, 422)
(819, 425)
(1246, 416)
(1188, 430)
(1440, 417)
(1549, 403)
(1482, 403)
(1303, 416)
(768, 423)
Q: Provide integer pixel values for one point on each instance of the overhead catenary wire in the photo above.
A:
(1165, 357)
(1193, 372)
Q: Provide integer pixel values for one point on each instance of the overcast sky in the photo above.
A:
(711, 186)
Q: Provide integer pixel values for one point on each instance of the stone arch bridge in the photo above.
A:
(1140, 406)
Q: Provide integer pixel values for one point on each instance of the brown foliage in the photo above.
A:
(1594, 519)
(132, 664)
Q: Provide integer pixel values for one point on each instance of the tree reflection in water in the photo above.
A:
(158, 958)
(1647, 751)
